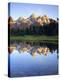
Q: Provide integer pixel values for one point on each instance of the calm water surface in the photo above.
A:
(24, 64)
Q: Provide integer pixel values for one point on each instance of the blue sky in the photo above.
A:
(23, 9)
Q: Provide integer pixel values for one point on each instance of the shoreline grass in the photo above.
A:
(35, 38)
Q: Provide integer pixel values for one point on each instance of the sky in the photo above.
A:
(17, 10)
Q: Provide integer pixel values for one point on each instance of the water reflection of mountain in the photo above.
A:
(34, 49)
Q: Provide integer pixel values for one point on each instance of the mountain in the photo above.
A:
(11, 22)
(33, 17)
(23, 23)
(10, 19)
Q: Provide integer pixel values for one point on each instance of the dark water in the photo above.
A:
(24, 64)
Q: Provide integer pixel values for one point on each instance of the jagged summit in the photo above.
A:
(33, 15)
(32, 19)
(20, 19)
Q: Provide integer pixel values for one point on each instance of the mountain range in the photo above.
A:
(34, 20)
